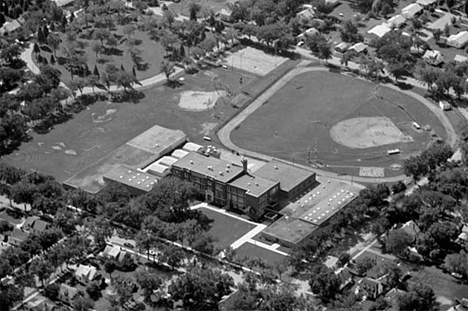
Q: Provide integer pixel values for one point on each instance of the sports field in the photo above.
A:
(340, 123)
(92, 134)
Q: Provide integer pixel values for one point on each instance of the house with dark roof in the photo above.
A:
(17, 236)
(67, 293)
(40, 226)
(345, 276)
(29, 222)
(370, 288)
(411, 228)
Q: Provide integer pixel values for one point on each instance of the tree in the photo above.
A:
(325, 52)
(10, 295)
(109, 266)
(324, 282)
(443, 233)
(96, 47)
(42, 268)
(168, 69)
(100, 229)
(349, 32)
(101, 34)
(82, 304)
(129, 30)
(53, 40)
(149, 280)
(420, 297)
(123, 288)
(457, 263)
(172, 255)
(194, 8)
(397, 243)
(94, 291)
(364, 265)
(201, 289)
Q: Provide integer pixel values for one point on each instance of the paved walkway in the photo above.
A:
(225, 132)
(26, 56)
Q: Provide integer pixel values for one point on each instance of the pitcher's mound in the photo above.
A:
(198, 101)
(367, 132)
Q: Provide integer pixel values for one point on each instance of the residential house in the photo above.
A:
(463, 236)
(306, 14)
(426, 3)
(225, 14)
(342, 47)
(86, 273)
(40, 303)
(40, 226)
(17, 236)
(461, 306)
(396, 21)
(111, 251)
(67, 293)
(411, 228)
(370, 288)
(459, 40)
(433, 57)
(379, 31)
(345, 276)
(309, 32)
(411, 11)
(460, 58)
(10, 27)
(358, 49)
(29, 222)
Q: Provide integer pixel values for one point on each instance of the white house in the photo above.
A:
(425, 3)
(86, 273)
(460, 58)
(396, 21)
(411, 10)
(225, 14)
(433, 57)
(359, 48)
(459, 40)
(309, 32)
(379, 31)
(342, 47)
(306, 14)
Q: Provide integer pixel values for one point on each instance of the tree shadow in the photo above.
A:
(404, 86)
(112, 51)
(139, 63)
(173, 84)
(46, 48)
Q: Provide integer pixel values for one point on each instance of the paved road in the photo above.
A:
(225, 132)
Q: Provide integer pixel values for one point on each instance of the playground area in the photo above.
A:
(253, 61)
(340, 123)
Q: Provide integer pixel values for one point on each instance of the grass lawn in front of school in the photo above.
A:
(226, 229)
(295, 123)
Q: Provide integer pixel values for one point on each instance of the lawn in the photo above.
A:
(73, 146)
(151, 54)
(445, 286)
(253, 251)
(312, 103)
(226, 229)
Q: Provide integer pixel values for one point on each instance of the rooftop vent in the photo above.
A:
(248, 184)
(221, 173)
(276, 167)
(120, 176)
(191, 162)
(129, 172)
(256, 184)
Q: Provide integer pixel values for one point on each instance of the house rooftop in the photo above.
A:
(411, 228)
(18, 234)
(40, 225)
(218, 169)
(289, 176)
(253, 185)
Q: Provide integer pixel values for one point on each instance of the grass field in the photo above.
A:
(295, 123)
(73, 146)
(225, 229)
(251, 250)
